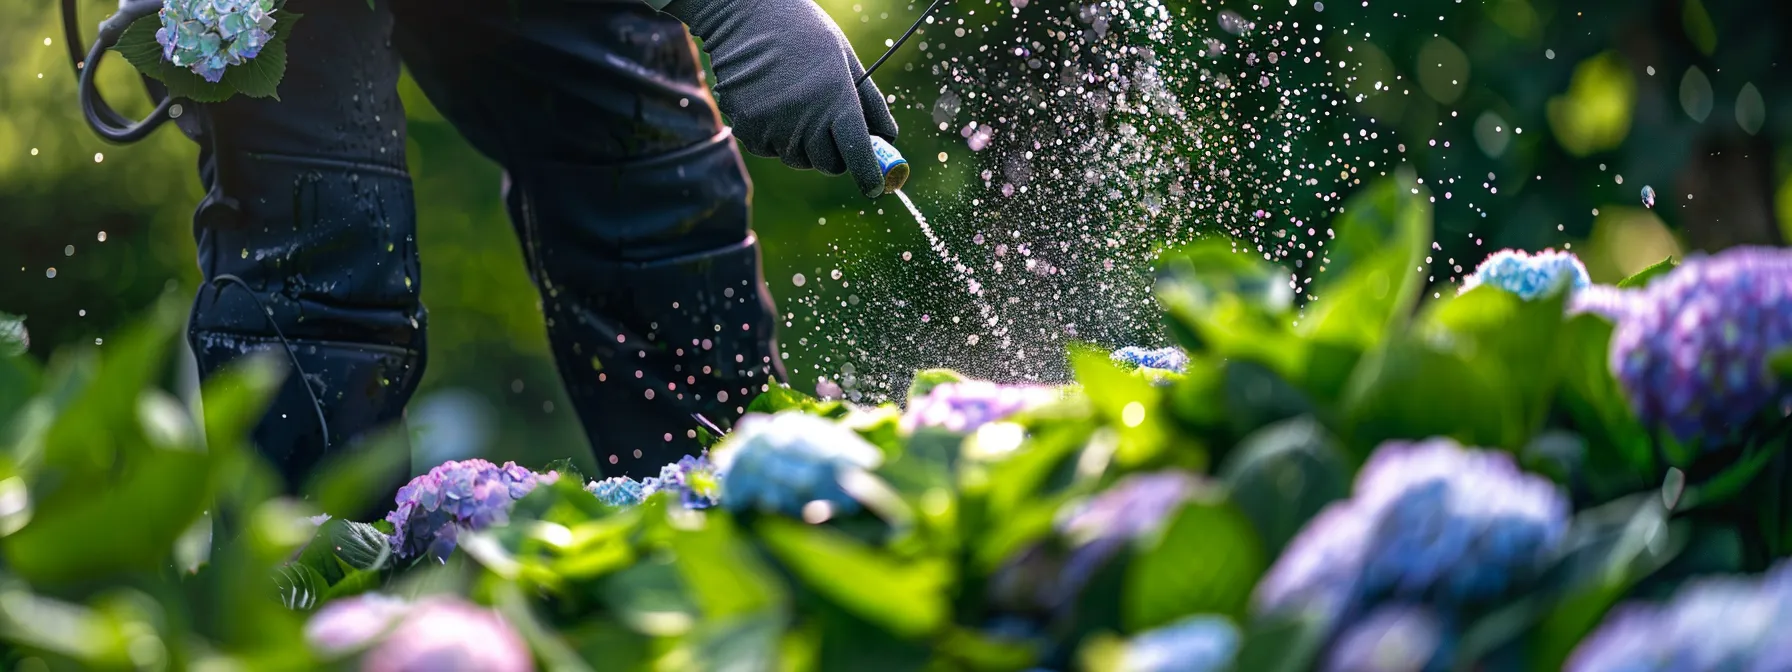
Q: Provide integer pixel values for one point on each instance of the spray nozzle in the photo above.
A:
(890, 161)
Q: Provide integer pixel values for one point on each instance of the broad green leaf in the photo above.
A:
(1371, 272)
(782, 397)
(1609, 549)
(1498, 330)
(1411, 390)
(1206, 561)
(360, 482)
(1288, 643)
(1134, 408)
(907, 597)
(723, 574)
(1781, 363)
(1620, 453)
(1224, 304)
(129, 521)
(651, 598)
(1283, 475)
(1643, 277)
(260, 76)
(744, 644)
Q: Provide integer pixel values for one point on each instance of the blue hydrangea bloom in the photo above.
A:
(784, 461)
(693, 480)
(1692, 355)
(617, 491)
(1200, 643)
(1168, 359)
(1718, 623)
(1430, 522)
(464, 495)
(965, 406)
(207, 36)
(1528, 275)
(1393, 638)
(1454, 525)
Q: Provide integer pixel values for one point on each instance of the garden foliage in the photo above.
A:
(1389, 477)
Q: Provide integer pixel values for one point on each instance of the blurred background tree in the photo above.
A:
(1542, 121)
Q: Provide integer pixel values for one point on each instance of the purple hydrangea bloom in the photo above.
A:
(1168, 359)
(207, 36)
(1453, 524)
(1719, 623)
(784, 461)
(351, 623)
(1134, 507)
(617, 491)
(446, 634)
(965, 406)
(1604, 300)
(1429, 521)
(1201, 643)
(1528, 275)
(693, 480)
(1393, 638)
(1692, 353)
(465, 495)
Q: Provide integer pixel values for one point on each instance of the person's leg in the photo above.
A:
(631, 201)
(308, 204)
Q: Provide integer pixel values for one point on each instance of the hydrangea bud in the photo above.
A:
(1528, 275)
(1454, 525)
(465, 495)
(1692, 355)
(784, 461)
(446, 634)
(1721, 623)
(1168, 359)
(617, 491)
(207, 36)
(965, 406)
(1201, 643)
(1393, 638)
(692, 479)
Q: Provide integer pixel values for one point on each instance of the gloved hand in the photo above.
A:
(784, 77)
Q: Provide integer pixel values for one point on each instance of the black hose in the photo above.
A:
(291, 354)
(898, 45)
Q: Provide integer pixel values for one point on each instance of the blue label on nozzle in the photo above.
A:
(891, 163)
(887, 156)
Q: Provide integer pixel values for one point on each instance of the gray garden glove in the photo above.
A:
(784, 77)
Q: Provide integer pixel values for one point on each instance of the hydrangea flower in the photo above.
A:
(1393, 638)
(351, 623)
(1097, 529)
(1719, 623)
(207, 36)
(1604, 300)
(693, 479)
(1528, 275)
(1692, 353)
(1429, 521)
(965, 406)
(469, 494)
(617, 491)
(784, 461)
(1200, 643)
(1168, 359)
(1454, 525)
(446, 634)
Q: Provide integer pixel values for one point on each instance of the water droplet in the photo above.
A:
(50, 272)
(1648, 196)
(798, 280)
(68, 251)
(98, 157)
(836, 274)
(102, 236)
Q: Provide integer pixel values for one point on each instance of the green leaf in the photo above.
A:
(926, 380)
(1206, 561)
(907, 597)
(1287, 643)
(1610, 549)
(138, 45)
(1781, 363)
(14, 339)
(725, 578)
(1412, 390)
(1620, 454)
(566, 469)
(1497, 330)
(782, 397)
(260, 77)
(1228, 305)
(301, 587)
(80, 533)
(1283, 475)
(1371, 275)
(1643, 277)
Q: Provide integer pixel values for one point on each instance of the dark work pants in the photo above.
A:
(628, 195)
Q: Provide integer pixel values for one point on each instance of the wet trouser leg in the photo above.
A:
(631, 202)
(309, 204)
